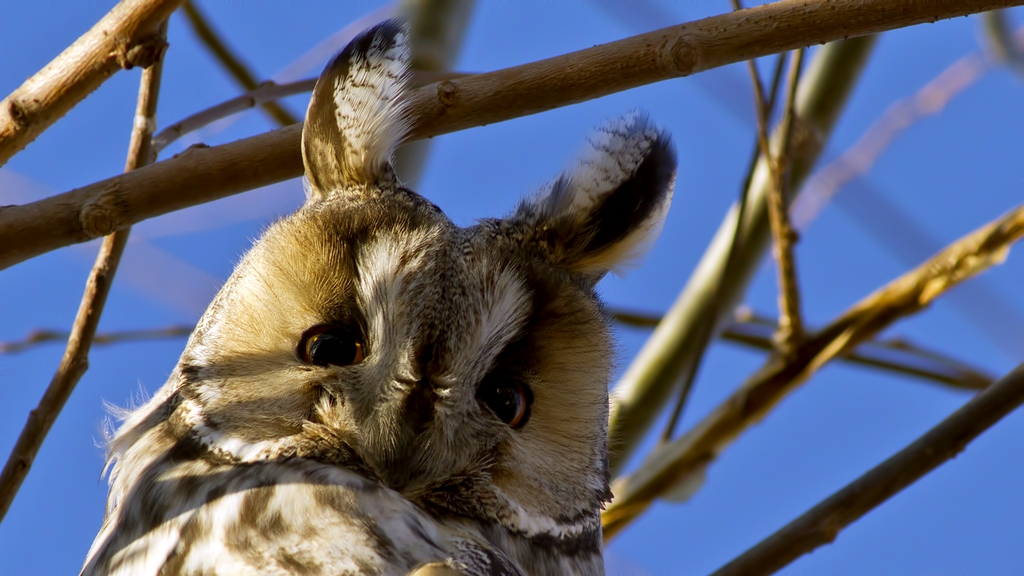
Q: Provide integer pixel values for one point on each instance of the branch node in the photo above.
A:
(191, 149)
(447, 92)
(99, 216)
(144, 53)
(18, 112)
(684, 56)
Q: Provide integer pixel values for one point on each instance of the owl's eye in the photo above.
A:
(508, 398)
(325, 345)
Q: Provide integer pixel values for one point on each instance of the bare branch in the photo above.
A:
(76, 355)
(673, 464)
(790, 323)
(126, 37)
(37, 337)
(205, 175)
(821, 524)
(891, 355)
(231, 62)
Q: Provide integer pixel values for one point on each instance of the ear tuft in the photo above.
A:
(605, 212)
(357, 113)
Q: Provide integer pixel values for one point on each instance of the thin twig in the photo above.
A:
(710, 316)
(125, 37)
(790, 323)
(231, 61)
(206, 175)
(791, 330)
(76, 355)
(43, 336)
(821, 524)
(677, 463)
(890, 355)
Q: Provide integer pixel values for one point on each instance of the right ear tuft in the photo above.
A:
(604, 213)
(357, 113)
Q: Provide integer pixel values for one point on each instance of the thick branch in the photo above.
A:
(821, 524)
(76, 355)
(672, 465)
(126, 37)
(206, 175)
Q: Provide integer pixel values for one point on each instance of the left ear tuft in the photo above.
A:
(357, 113)
(605, 212)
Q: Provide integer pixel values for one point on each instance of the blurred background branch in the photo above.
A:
(231, 62)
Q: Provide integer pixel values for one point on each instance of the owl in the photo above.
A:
(376, 390)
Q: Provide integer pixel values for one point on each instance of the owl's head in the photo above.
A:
(466, 368)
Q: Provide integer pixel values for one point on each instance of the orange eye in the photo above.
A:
(508, 398)
(327, 345)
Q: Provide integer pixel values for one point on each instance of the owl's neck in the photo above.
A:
(510, 524)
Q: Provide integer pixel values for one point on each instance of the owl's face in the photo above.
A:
(466, 368)
(434, 353)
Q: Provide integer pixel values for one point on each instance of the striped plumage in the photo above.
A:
(378, 391)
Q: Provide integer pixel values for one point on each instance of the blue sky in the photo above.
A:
(950, 173)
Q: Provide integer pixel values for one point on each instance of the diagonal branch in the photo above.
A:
(76, 355)
(891, 355)
(206, 175)
(677, 463)
(231, 62)
(821, 524)
(126, 37)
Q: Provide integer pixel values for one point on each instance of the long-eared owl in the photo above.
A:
(378, 391)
